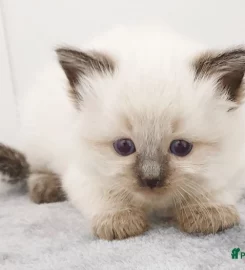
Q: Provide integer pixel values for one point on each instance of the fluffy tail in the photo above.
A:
(14, 168)
(43, 185)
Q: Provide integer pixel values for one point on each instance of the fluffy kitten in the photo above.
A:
(139, 120)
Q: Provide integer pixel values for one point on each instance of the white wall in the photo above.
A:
(8, 119)
(34, 27)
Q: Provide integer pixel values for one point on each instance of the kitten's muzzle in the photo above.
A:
(151, 173)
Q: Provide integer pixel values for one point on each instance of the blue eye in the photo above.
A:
(124, 147)
(180, 148)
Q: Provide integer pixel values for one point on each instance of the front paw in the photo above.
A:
(207, 218)
(120, 225)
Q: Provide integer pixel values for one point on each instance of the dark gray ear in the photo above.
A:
(78, 65)
(228, 67)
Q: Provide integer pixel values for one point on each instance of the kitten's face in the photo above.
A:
(158, 144)
(159, 128)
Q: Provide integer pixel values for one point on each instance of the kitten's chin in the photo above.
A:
(156, 197)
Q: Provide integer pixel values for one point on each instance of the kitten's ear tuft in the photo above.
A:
(77, 64)
(229, 69)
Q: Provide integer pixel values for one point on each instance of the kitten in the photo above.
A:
(139, 120)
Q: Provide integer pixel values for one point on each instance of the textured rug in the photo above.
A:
(55, 236)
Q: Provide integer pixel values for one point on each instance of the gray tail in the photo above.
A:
(14, 167)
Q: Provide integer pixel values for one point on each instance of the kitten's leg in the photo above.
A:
(111, 211)
(45, 187)
(206, 217)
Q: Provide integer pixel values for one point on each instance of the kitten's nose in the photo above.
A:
(152, 182)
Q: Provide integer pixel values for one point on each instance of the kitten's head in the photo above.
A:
(160, 118)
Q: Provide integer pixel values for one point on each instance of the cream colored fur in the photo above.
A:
(152, 98)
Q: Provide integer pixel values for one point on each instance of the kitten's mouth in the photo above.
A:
(151, 191)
